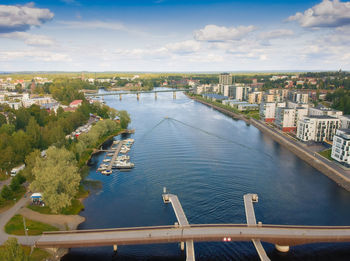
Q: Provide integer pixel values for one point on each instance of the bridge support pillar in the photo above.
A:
(138, 96)
(155, 95)
(120, 97)
(282, 249)
(174, 95)
(182, 246)
(115, 248)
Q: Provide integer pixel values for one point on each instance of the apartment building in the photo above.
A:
(341, 147)
(317, 128)
(255, 97)
(321, 110)
(285, 119)
(225, 79)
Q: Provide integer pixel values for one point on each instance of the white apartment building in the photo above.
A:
(285, 119)
(295, 105)
(317, 128)
(344, 121)
(341, 146)
(319, 111)
(240, 92)
(298, 97)
(267, 111)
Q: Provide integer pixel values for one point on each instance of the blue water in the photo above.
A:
(210, 163)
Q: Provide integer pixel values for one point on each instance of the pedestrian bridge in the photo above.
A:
(282, 236)
(120, 93)
(274, 234)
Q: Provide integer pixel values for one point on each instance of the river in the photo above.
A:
(210, 161)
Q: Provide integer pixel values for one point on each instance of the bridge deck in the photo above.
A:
(275, 234)
(136, 92)
(182, 219)
(251, 221)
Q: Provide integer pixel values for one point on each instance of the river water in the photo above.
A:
(210, 161)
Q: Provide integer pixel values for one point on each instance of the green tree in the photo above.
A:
(12, 251)
(33, 132)
(56, 177)
(124, 119)
(30, 163)
(6, 193)
(2, 119)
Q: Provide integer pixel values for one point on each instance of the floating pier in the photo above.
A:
(182, 222)
(249, 199)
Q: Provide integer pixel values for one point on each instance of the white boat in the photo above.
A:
(124, 165)
(106, 160)
(106, 172)
(123, 157)
(110, 154)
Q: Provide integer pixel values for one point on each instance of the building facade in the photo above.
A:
(341, 147)
(225, 79)
(317, 128)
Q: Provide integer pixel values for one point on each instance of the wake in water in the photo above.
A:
(206, 132)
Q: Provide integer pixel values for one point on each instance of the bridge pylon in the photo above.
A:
(174, 95)
(120, 97)
(138, 96)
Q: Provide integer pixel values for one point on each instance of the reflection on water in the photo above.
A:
(210, 171)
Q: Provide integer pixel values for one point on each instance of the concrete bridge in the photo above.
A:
(121, 93)
(282, 236)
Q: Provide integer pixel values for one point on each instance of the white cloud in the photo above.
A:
(184, 47)
(30, 39)
(93, 25)
(326, 14)
(16, 18)
(214, 33)
(36, 55)
(275, 34)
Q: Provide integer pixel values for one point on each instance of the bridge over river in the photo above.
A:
(121, 93)
(282, 236)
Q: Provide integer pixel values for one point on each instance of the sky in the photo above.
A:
(174, 35)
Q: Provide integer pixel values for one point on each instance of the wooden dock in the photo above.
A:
(251, 221)
(115, 155)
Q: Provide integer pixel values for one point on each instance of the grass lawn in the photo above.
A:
(74, 209)
(15, 226)
(6, 204)
(326, 154)
(37, 254)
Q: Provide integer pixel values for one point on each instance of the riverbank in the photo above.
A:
(328, 168)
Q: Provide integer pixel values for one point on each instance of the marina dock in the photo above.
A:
(183, 222)
(115, 155)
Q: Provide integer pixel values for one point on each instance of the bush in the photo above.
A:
(14, 184)
(6, 193)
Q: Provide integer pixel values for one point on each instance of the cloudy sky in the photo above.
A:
(174, 35)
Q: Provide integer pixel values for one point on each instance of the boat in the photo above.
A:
(123, 157)
(110, 154)
(124, 165)
(116, 141)
(106, 172)
(101, 168)
(106, 160)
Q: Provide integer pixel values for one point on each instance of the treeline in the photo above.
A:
(65, 90)
(340, 100)
(26, 129)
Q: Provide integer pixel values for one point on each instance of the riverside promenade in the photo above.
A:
(327, 167)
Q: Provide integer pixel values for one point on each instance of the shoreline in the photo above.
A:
(328, 168)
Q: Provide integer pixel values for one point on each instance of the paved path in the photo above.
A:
(7, 215)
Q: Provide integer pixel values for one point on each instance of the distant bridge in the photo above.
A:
(282, 236)
(120, 93)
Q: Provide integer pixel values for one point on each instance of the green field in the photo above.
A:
(15, 226)
(326, 153)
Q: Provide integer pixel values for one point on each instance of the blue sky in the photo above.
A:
(169, 35)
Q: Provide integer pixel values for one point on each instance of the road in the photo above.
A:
(7, 215)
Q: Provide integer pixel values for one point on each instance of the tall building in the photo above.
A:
(225, 78)
(285, 119)
(267, 111)
(317, 128)
(255, 97)
(341, 146)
